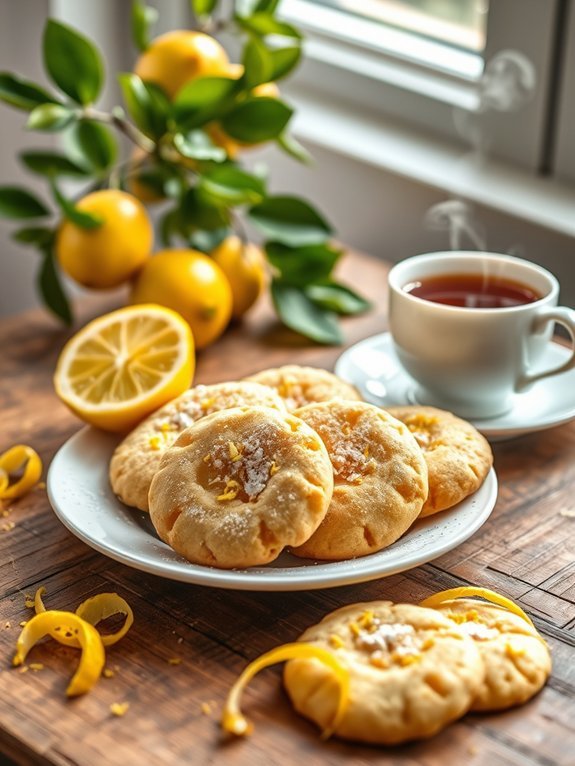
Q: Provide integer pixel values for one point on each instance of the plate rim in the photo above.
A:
(489, 431)
(361, 569)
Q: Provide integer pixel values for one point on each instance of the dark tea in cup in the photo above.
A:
(473, 291)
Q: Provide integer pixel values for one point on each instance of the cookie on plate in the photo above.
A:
(458, 457)
(299, 386)
(411, 672)
(380, 479)
(137, 458)
(239, 485)
(516, 657)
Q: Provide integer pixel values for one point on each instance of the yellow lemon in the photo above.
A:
(121, 367)
(245, 267)
(175, 58)
(192, 284)
(110, 254)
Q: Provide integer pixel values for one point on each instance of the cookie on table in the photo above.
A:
(458, 457)
(299, 386)
(137, 458)
(411, 672)
(516, 658)
(240, 485)
(380, 479)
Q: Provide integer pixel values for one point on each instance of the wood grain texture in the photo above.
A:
(526, 550)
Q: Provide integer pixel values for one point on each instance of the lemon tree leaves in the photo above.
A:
(50, 288)
(143, 17)
(73, 62)
(21, 93)
(290, 220)
(16, 202)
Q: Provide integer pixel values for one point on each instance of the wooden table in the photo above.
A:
(525, 550)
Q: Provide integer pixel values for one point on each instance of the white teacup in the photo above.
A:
(473, 360)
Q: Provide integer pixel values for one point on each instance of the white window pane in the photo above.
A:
(461, 23)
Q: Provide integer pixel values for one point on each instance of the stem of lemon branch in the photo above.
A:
(117, 119)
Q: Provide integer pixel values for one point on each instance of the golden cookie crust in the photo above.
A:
(137, 458)
(458, 457)
(380, 479)
(516, 658)
(410, 673)
(299, 386)
(239, 485)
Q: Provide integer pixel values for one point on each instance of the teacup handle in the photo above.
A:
(565, 317)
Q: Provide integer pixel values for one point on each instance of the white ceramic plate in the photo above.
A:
(81, 496)
(373, 367)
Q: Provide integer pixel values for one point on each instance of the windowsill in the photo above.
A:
(433, 162)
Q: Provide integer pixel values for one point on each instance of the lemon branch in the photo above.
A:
(117, 119)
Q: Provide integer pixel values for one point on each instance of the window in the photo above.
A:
(422, 62)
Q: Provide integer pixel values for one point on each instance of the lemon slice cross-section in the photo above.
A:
(124, 365)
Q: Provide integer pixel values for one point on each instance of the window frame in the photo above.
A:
(423, 95)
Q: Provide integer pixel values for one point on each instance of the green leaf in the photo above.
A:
(21, 93)
(52, 164)
(203, 7)
(80, 217)
(51, 289)
(257, 62)
(229, 185)
(264, 24)
(143, 17)
(291, 146)
(197, 145)
(196, 213)
(298, 313)
(41, 236)
(147, 104)
(283, 60)
(169, 227)
(302, 265)
(19, 203)
(95, 144)
(202, 100)
(50, 117)
(257, 119)
(290, 220)
(206, 241)
(73, 62)
(266, 6)
(338, 298)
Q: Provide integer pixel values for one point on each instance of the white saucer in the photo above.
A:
(373, 367)
(80, 493)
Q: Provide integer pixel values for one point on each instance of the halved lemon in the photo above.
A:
(124, 365)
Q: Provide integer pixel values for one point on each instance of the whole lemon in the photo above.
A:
(245, 267)
(111, 253)
(175, 58)
(192, 284)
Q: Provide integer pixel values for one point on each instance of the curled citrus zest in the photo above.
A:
(234, 721)
(57, 625)
(19, 458)
(489, 595)
(38, 603)
(105, 605)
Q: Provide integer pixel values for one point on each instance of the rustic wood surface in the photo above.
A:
(525, 550)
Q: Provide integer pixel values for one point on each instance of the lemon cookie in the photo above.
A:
(239, 485)
(517, 660)
(458, 457)
(380, 479)
(299, 386)
(411, 672)
(137, 458)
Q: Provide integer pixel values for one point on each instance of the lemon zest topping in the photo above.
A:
(235, 453)
(336, 641)
(155, 442)
(274, 468)
(354, 628)
(205, 404)
(230, 492)
(469, 591)
(207, 458)
(366, 619)
(25, 462)
(233, 720)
